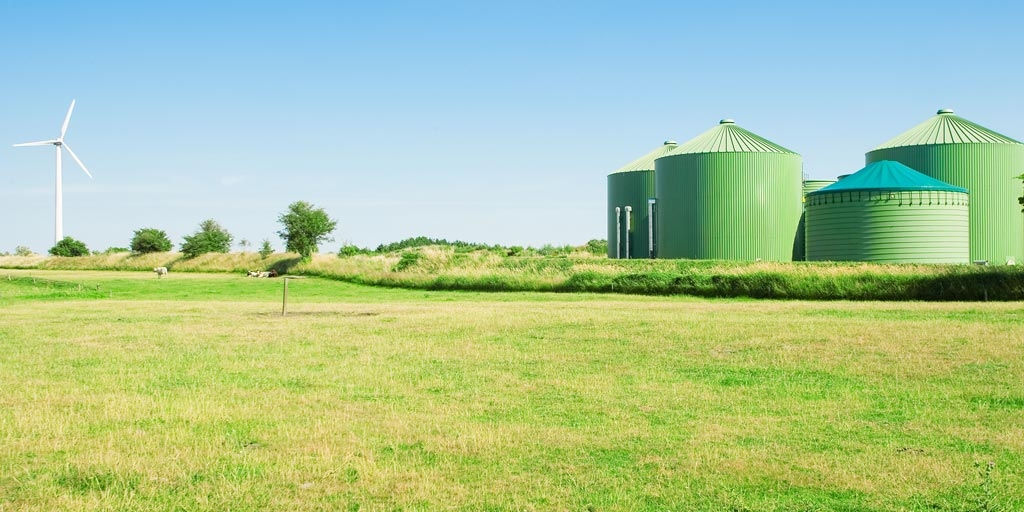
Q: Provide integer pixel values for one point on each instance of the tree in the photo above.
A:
(266, 249)
(148, 240)
(23, 250)
(244, 244)
(211, 237)
(69, 247)
(1020, 199)
(305, 227)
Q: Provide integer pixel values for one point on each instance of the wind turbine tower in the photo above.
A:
(59, 143)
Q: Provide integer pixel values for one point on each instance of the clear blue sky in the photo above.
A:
(479, 121)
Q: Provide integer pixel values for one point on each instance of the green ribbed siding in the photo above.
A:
(812, 185)
(735, 206)
(800, 244)
(988, 172)
(888, 227)
(632, 188)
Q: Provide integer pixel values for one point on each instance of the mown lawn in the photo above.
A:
(120, 391)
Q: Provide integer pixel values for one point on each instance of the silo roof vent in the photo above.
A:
(947, 128)
(646, 162)
(728, 137)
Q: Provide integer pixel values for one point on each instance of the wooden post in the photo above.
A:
(284, 301)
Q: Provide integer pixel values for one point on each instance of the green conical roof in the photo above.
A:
(887, 175)
(947, 128)
(646, 162)
(729, 138)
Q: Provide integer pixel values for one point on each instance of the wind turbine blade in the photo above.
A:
(67, 119)
(80, 164)
(40, 143)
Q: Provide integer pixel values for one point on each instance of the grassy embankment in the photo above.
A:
(122, 391)
(445, 268)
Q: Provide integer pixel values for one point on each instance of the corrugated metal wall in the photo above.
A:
(800, 244)
(888, 227)
(988, 172)
(633, 189)
(736, 206)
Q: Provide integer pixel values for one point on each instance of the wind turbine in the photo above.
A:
(59, 143)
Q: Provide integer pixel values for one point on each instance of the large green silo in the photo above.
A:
(633, 186)
(799, 245)
(728, 194)
(888, 213)
(964, 154)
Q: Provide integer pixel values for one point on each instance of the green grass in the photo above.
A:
(448, 268)
(121, 391)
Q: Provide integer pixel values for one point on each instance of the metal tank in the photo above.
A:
(799, 245)
(954, 150)
(888, 213)
(728, 194)
(632, 186)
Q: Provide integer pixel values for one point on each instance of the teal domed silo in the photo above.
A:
(888, 213)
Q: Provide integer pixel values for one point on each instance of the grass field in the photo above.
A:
(120, 391)
(449, 268)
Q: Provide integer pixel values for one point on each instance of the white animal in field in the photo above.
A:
(258, 273)
(160, 271)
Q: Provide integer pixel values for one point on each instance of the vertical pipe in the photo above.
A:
(628, 210)
(618, 234)
(650, 228)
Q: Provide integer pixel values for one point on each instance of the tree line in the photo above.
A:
(304, 228)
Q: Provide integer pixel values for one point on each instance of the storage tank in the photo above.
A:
(632, 186)
(954, 150)
(799, 245)
(812, 185)
(728, 194)
(888, 213)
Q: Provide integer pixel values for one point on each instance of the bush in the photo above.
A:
(409, 259)
(597, 247)
(147, 240)
(211, 237)
(69, 247)
(22, 250)
(348, 250)
(115, 250)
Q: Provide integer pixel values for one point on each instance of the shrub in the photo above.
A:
(22, 250)
(409, 259)
(210, 237)
(147, 240)
(597, 247)
(115, 250)
(69, 247)
(348, 250)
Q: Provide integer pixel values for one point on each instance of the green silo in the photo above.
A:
(799, 245)
(954, 150)
(888, 213)
(728, 194)
(633, 186)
